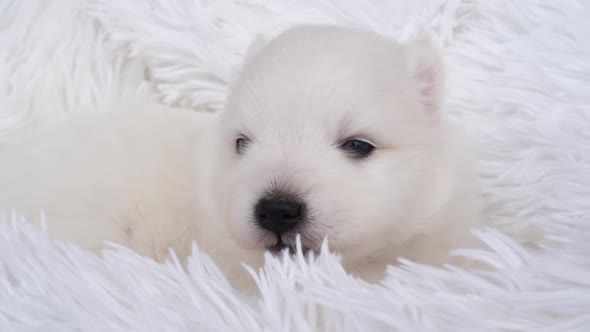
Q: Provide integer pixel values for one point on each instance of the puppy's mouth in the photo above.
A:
(280, 247)
(292, 246)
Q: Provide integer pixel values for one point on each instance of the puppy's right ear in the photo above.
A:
(426, 69)
(256, 45)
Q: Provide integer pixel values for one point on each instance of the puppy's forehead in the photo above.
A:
(310, 75)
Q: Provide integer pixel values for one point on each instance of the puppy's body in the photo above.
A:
(109, 176)
(334, 128)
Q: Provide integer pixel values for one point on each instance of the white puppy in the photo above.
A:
(328, 132)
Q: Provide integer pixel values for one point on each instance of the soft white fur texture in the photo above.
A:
(517, 78)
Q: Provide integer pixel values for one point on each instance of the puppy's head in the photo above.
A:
(330, 132)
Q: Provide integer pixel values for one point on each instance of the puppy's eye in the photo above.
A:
(357, 148)
(241, 144)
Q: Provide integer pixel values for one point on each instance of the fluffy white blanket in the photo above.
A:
(518, 81)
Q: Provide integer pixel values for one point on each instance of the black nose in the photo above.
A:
(278, 215)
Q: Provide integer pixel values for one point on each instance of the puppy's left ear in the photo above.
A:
(426, 69)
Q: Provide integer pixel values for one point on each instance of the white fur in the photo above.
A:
(152, 178)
